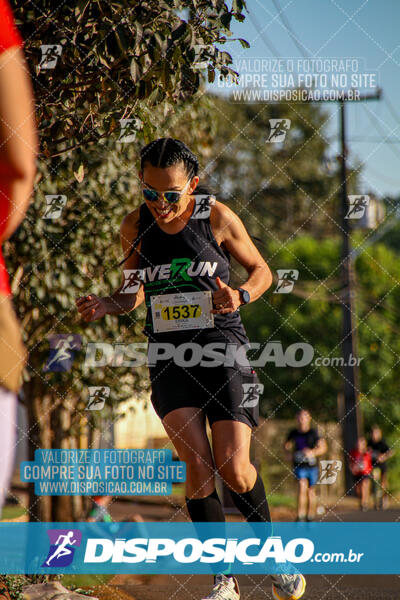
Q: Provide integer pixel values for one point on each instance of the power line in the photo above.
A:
(289, 29)
(377, 126)
(374, 140)
(392, 110)
(264, 38)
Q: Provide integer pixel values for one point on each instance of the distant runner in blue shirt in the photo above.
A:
(304, 445)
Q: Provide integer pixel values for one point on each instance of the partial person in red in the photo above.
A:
(361, 467)
(18, 146)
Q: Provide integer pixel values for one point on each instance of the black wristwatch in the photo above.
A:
(244, 295)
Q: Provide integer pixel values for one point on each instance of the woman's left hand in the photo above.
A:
(225, 299)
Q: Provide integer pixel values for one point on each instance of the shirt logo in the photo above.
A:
(179, 267)
(182, 269)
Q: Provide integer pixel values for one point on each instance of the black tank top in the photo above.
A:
(187, 261)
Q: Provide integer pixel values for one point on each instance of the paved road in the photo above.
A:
(332, 587)
(319, 587)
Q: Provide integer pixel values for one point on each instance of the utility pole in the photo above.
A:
(351, 417)
(352, 423)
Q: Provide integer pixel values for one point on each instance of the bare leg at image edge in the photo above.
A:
(8, 407)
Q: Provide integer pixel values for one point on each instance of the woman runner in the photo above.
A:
(179, 245)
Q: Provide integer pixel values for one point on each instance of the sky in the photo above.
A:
(366, 30)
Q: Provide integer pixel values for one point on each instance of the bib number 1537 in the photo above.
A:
(181, 311)
(174, 312)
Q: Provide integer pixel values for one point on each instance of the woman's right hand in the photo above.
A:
(91, 307)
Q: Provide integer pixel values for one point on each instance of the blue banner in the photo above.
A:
(174, 548)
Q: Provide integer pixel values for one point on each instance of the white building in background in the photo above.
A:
(139, 427)
(372, 214)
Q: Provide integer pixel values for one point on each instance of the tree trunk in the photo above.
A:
(61, 506)
(39, 436)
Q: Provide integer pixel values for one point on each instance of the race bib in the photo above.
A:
(181, 311)
(301, 458)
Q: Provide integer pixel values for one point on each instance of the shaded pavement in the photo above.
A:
(258, 587)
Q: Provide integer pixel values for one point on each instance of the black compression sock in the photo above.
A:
(253, 504)
(208, 509)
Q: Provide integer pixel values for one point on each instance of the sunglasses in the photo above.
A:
(170, 196)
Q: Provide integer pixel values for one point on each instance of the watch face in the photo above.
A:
(245, 296)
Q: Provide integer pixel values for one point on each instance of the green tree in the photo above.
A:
(279, 189)
(312, 313)
(311, 308)
(117, 60)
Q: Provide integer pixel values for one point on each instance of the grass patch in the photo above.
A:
(178, 489)
(13, 512)
(281, 500)
(78, 581)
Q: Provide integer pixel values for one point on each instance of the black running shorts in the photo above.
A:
(223, 392)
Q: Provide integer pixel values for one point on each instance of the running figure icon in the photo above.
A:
(64, 347)
(62, 351)
(62, 550)
(279, 129)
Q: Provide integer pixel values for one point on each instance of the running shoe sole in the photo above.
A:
(296, 596)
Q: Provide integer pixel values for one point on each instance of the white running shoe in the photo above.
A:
(225, 588)
(288, 587)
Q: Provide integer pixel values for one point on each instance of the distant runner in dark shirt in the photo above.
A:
(380, 453)
(304, 445)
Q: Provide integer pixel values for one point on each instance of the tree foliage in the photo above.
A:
(312, 313)
(118, 60)
(282, 189)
